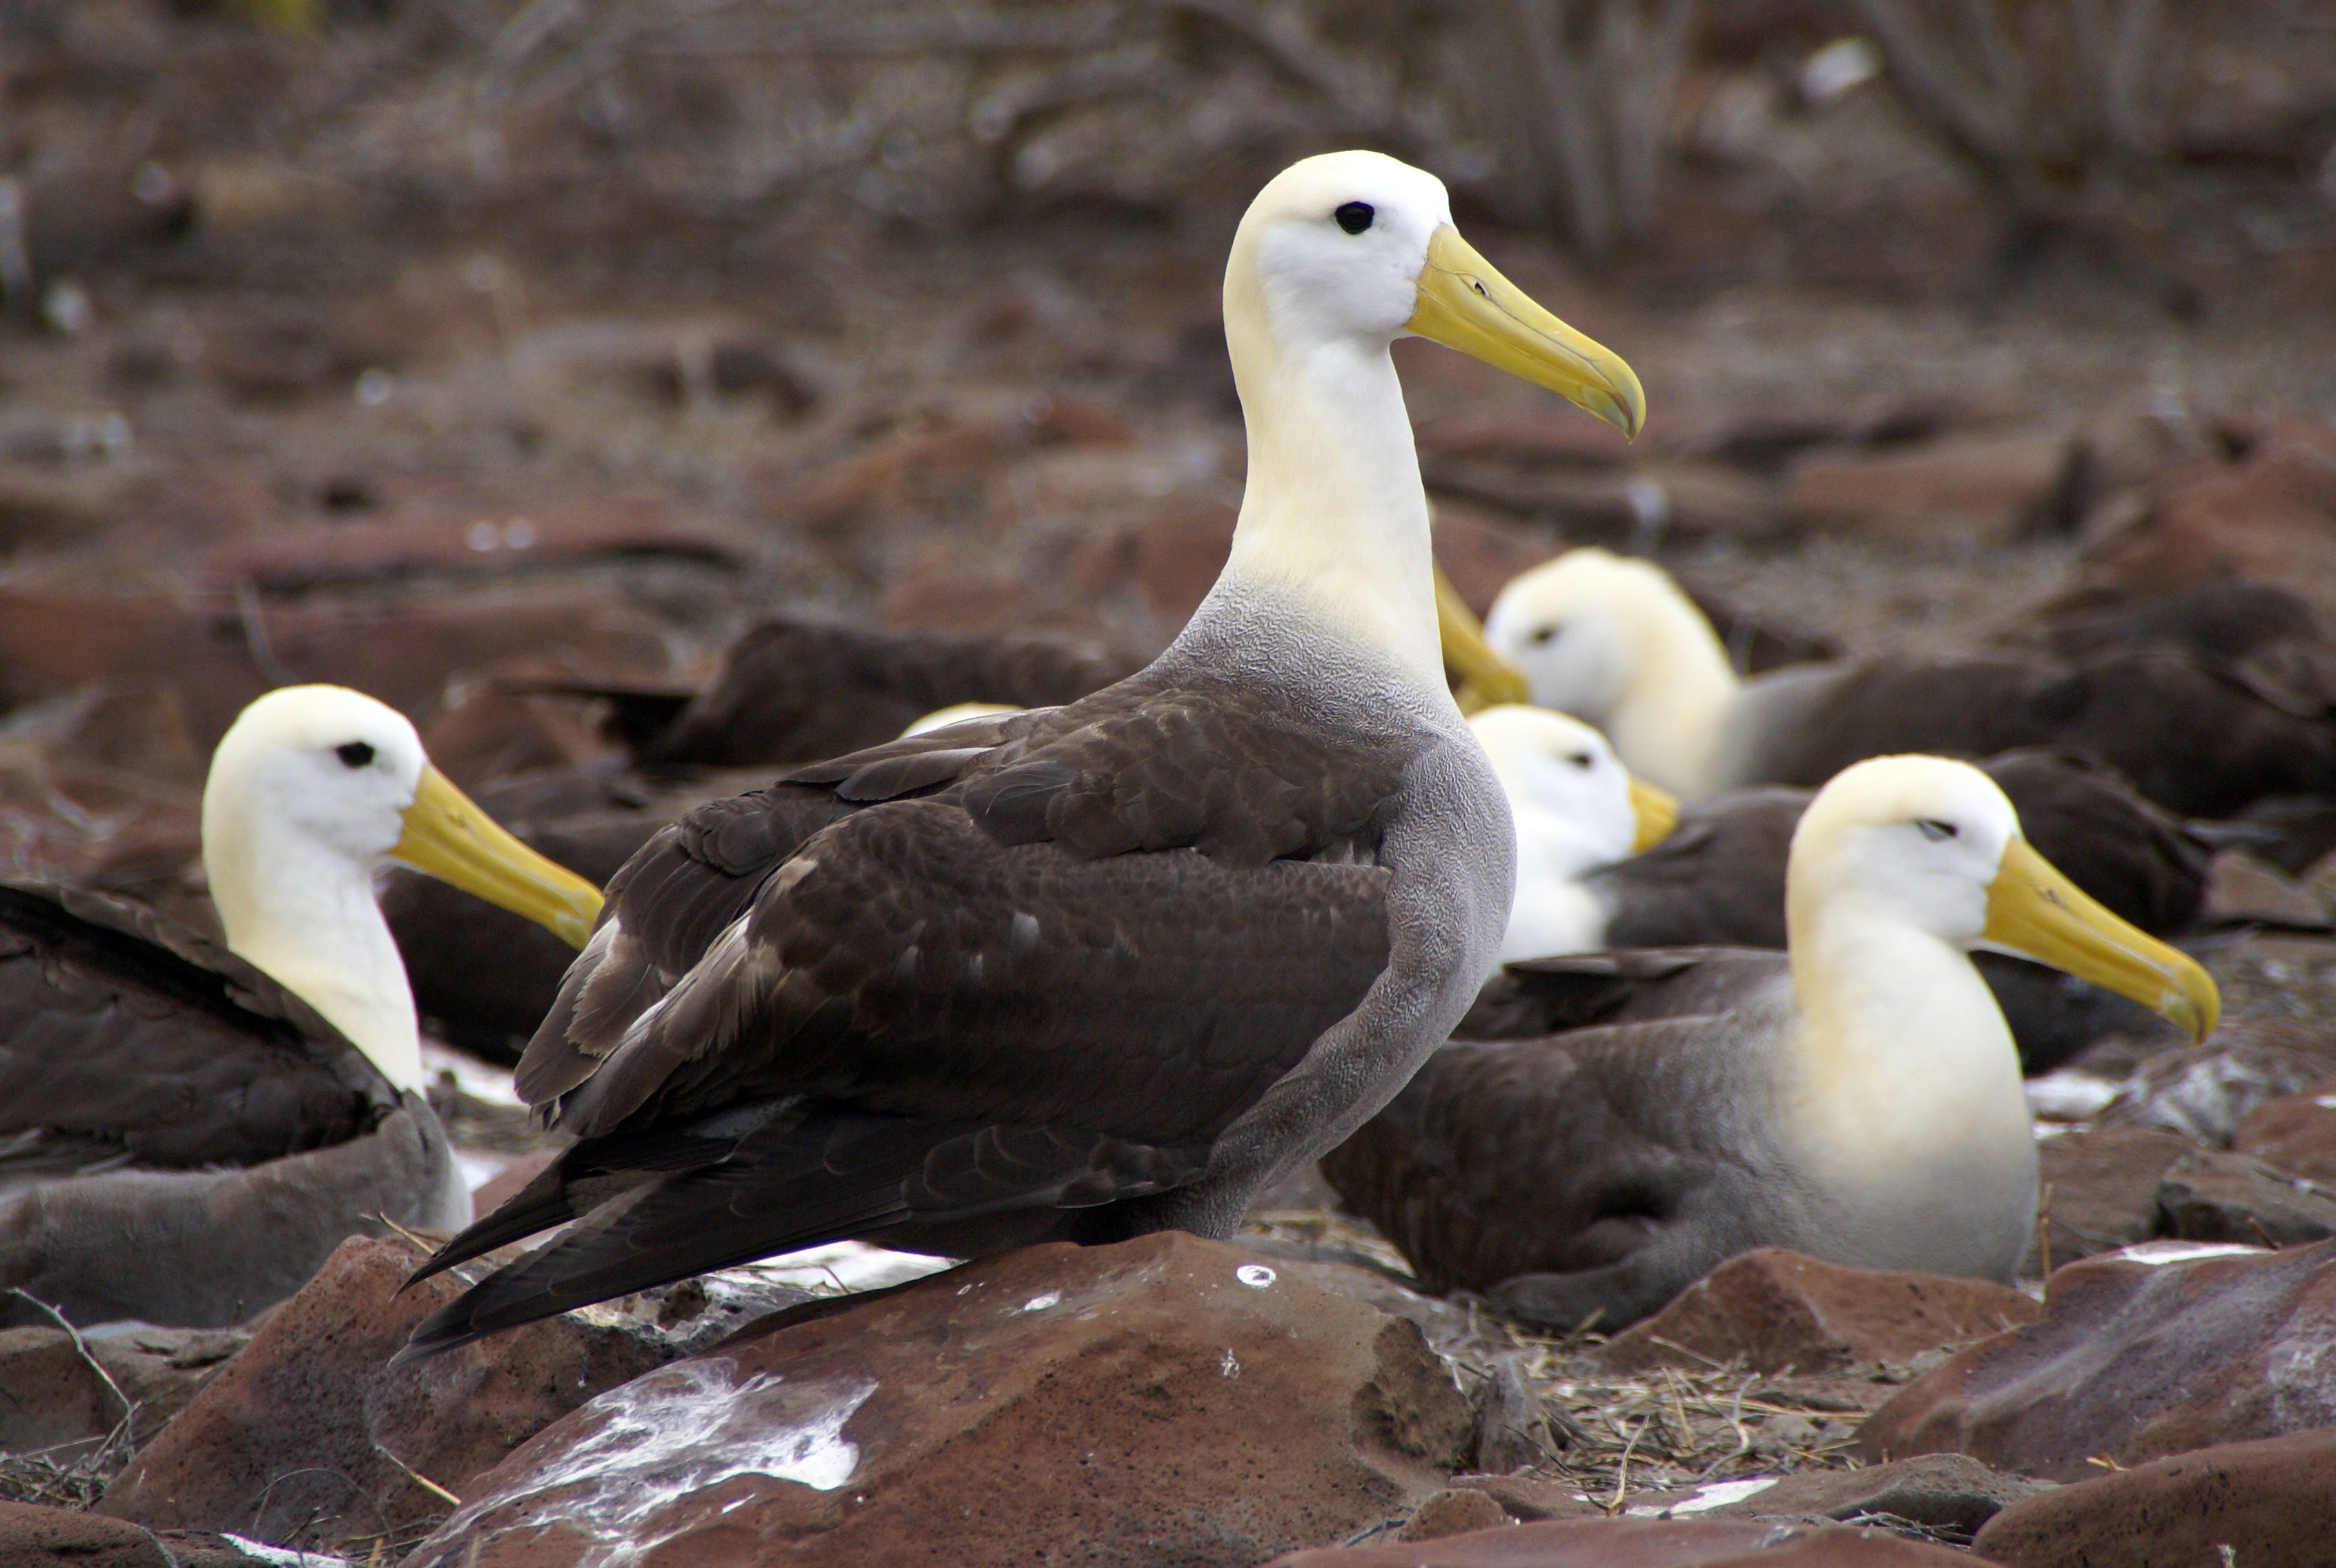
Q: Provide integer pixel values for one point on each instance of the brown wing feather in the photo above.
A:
(119, 1030)
(1042, 974)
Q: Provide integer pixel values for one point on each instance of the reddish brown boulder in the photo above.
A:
(1949, 1493)
(308, 1433)
(2203, 1091)
(54, 1393)
(2098, 1190)
(1987, 487)
(2212, 1196)
(2296, 1133)
(33, 1536)
(1165, 1399)
(2268, 1501)
(1778, 1309)
(1642, 1544)
(2166, 1348)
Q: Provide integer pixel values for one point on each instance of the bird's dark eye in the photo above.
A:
(1355, 217)
(1544, 635)
(1580, 759)
(1934, 831)
(356, 754)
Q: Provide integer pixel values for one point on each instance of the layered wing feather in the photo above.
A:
(1022, 966)
(131, 1039)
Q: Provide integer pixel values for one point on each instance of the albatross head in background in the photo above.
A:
(310, 791)
(1340, 255)
(1908, 1075)
(1615, 641)
(1575, 808)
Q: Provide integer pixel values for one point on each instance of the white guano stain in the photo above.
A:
(1256, 1276)
(667, 1436)
(2157, 1255)
(1039, 1304)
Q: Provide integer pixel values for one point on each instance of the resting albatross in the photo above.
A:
(1615, 642)
(1097, 969)
(187, 1132)
(1856, 1097)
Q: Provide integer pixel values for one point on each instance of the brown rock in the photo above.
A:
(1951, 1493)
(50, 1394)
(2243, 890)
(1526, 1498)
(1453, 1511)
(1165, 1399)
(1778, 1309)
(2203, 1091)
(1985, 488)
(2099, 1188)
(2268, 1502)
(308, 1433)
(219, 654)
(33, 1536)
(2296, 1133)
(2212, 1196)
(2165, 1347)
(1643, 1543)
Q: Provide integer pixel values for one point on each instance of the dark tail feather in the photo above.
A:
(670, 1231)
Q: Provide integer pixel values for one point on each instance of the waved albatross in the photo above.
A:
(1717, 877)
(1615, 642)
(187, 1132)
(1098, 970)
(1857, 1097)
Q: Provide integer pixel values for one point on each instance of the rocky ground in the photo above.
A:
(446, 358)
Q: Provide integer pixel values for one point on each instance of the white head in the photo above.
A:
(1925, 844)
(1616, 641)
(311, 791)
(1562, 776)
(1338, 257)
(1575, 808)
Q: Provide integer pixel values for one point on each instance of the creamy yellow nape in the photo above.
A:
(1338, 256)
(1903, 1081)
(1616, 642)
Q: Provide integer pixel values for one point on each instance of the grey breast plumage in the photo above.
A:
(181, 1140)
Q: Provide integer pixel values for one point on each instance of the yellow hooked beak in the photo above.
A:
(1487, 679)
(1463, 304)
(2033, 909)
(447, 836)
(1657, 810)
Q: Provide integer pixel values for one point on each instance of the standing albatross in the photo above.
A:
(187, 1133)
(1092, 970)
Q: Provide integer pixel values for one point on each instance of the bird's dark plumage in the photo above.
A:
(995, 983)
(181, 1140)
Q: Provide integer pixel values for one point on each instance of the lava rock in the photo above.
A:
(1164, 1399)
(1778, 1309)
(309, 1434)
(2098, 1187)
(1987, 486)
(1454, 1510)
(2205, 1092)
(2235, 1197)
(1643, 1543)
(2267, 1501)
(50, 1394)
(33, 1537)
(1951, 1493)
(2156, 1350)
(2296, 1133)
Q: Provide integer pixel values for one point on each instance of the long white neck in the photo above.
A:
(306, 915)
(1333, 521)
(1907, 1073)
(1667, 724)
